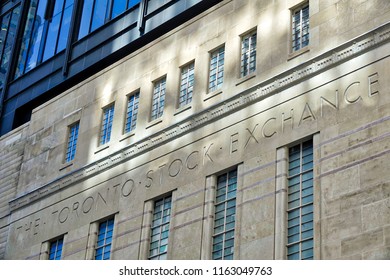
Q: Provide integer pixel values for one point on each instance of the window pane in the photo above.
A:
(99, 14)
(300, 201)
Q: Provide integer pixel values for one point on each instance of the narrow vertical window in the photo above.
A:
(131, 113)
(248, 53)
(160, 229)
(186, 84)
(56, 249)
(300, 202)
(300, 27)
(158, 101)
(8, 24)
(224, 221)
(104, 240)
(72, 142)
(108, 117)
(217, 62)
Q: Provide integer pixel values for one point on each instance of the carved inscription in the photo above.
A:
(287, 120)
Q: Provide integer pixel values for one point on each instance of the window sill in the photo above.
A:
(298, 53)
(154, 122)
(182, 109)
(102, 148)
(66, 165)
(212, 94)
(246, 78)
(127, 136)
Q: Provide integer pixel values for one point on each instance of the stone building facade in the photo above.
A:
(254, 130)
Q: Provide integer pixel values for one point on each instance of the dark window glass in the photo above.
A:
(97, 12)
(7, 35)
(45, 32)
(56, 249)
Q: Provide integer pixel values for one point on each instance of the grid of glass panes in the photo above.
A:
(45, 33)
(225, 212)
(108, 117)
(95, 13)
(248, 54)
(8, 24)
(132, 112)
(300, 28)
(104, 241)
(56, 249)
(72, 142)
(217, 62)
(158, 101)
(300, 202)
(160, 229)
(186, 84)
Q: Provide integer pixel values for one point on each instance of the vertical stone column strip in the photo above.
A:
(317, 195)
(45, 247)
(145, 230)
(239, 218)
(281, 204)
(208, 217)
(92, 239)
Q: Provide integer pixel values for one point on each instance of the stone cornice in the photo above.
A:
(288, 78)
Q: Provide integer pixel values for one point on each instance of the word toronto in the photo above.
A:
(106, 195)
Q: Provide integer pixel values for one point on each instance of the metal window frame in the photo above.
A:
(300, 206)
(299, 8)
(72, 142)
(106, 132)
(245, 68)
(225, 203)
(185, 95)
(160, 226)
(56, 250)
(219, 68)
(105, 244)
(131, 120)
(159, 93)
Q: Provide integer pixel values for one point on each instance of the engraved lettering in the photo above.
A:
(207, 155)
(75, 207)
(263, 132)
(161, 172)
(291, 118)
(127, 188)
(192, 167)
(175, 167)
(149, 179)
(373, 85)
(87, 204)
(233, 143)
(63, 216)
(102, 198)
(307, 114)
(347, 92)
(334, 105)
(36, 226)
(251, 135)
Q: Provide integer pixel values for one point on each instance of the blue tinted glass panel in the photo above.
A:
(86, 18)
(99, 14)
(132, 3)
(65, 25)
(55, 250)
(103, 245)
(118, 7)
